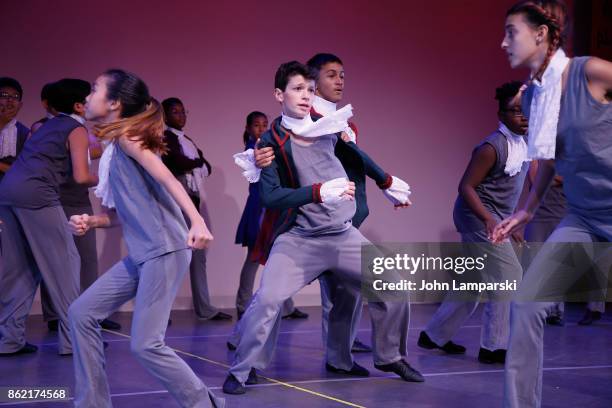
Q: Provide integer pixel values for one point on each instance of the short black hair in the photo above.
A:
(46, 91)
(67, 92)
(506, 92)
(320, 59)
(12, 83)
(291, 69)
(168, 103)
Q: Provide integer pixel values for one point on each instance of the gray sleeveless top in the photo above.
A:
(152, 222)
(34, 179)
(498, 192)
(584, 145)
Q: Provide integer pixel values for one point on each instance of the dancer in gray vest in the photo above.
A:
(35, 242)
(313, 233)
(488, 192)
(572, 126)
(145, 194)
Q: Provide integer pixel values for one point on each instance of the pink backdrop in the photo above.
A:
(420, 75)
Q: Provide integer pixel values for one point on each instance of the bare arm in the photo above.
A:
(481, 163)
(78, 143)
(599, 75)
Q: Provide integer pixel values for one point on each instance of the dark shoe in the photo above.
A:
(492, 357)
(253, 379)
(555, 321)
(233, 386)
(356, 370)
(402, 369)
(53, 325)
(449, 348)
(26, 349)
(105, 344)
(296, 314)
(169, 322)
(589, 317)
(221, 316)
(359, 347)
(239, 313)
(230, 346)
(110, 325)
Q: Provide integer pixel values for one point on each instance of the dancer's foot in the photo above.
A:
(26, 349)
(356, 370)
(403, 369)
(233, 386)
(449, 347)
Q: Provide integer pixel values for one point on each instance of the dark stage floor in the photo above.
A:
(578, 367)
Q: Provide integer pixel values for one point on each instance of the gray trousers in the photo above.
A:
(341, 314)
(154, 285)
(296, 261)
(523, 382)
(245, 290)
(199, 281)
(35, 245)
(86, 246)
(451, 315)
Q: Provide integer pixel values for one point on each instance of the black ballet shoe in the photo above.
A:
(53, 325)
(555, 321)
(230, 346)
(356, 370)
(492, 357)
(221, 316)
(109, 325)
(403, 369)
(589, 317)
(449, 347)
(359, 347)
(26, 349)
(253, 379)
(233, 386)
(296, 314)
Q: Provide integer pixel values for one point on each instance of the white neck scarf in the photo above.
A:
(332, 123)
(323, 106)
(326, 108)
(517, 150)
(545, 107)
(195, 176)
(8, 140)
(103, 190)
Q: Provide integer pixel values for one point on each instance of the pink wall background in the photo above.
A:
(420, 75)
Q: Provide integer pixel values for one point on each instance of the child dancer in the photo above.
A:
(36, 245)
(13, 133)
(569, 132)
(248, 228)
(308, 183)
(489, 191)
(187, 163)
(145, 195)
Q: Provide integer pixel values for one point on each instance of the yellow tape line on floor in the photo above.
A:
(295, 387)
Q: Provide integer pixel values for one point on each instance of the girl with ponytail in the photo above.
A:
(568, 105)
(147, 199)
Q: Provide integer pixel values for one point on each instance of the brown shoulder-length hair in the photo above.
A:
(141, 118)
(552, 14)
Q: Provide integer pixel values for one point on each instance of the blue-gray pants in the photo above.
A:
(451, 315)
(35, 245)
(523, 383)
(294, 262)
(86, 246)
(154, 285)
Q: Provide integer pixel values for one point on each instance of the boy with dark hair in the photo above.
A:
(13, 133)
(45, 98)
(187, 163)
(36, 245)
(308, 182)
